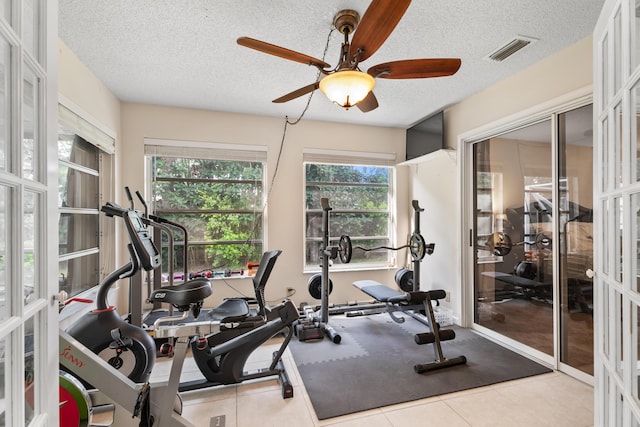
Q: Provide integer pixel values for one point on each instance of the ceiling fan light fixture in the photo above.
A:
(347, 88)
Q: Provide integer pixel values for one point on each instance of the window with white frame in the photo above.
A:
(216, 191)
(360, 193)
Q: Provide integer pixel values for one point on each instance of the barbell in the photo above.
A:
(417, 247)
(500, 243)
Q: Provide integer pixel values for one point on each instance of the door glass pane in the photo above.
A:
(604, 180)
(32, 240)
(4, 378)
(575, 225)
(635, 16)
(617, 143)
(513, 268)
(619, 336)
(618, 238)
(30, 110)
(5, 10)
(605, 315)
(604, 237)
(635, 318)
(31, 354)
(4, 251)
(31, 29)
(635, 133)
(5, 105)
(605, 73)
(635, 235)
(617, 57)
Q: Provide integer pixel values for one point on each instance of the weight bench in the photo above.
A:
(412, 304)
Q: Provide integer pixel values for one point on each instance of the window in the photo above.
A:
(85, 244)
(218, 196)
(360, 197)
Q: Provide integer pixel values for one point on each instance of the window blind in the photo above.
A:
(319, 155)
(204, 150)
(85, 129)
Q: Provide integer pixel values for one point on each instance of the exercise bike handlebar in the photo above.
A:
(158, 221)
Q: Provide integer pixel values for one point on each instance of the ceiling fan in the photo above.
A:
(346, 84)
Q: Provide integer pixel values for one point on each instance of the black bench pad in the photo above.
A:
(379, 291)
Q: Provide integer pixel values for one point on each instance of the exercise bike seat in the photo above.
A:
(229, 310)
(183, 295)
(238, 309)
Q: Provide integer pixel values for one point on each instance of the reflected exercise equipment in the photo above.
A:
(500, 244)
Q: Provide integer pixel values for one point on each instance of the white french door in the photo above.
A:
(617, 192)
(28, 213)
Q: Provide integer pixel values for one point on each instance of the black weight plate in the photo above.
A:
(404, 279)
(543, 241)
(500, 243)
(345, 249)
(315, 286)
(417, 247)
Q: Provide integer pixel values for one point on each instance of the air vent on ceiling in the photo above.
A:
(510, 48)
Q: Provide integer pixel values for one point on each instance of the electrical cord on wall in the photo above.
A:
(287, 122)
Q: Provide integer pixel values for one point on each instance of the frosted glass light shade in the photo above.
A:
(347, 88)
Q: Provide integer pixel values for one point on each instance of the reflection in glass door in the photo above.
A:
(528, 219)
(575, 235)
(513, 224)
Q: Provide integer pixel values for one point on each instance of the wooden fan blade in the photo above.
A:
(377, 23)
(282, 52)
(368, 103)
(416, 68)
(297, 93)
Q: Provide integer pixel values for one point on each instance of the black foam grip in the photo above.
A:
(430, 338)
(420, 296)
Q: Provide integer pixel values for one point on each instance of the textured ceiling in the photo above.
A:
(184, 53)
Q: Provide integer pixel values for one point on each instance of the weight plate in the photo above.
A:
(417, 247)
(75, 403)
(500, 243)
(315, 286)
(404, 279)
(543, 241)
(345, 249)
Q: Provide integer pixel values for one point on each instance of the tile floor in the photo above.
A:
(553, 399)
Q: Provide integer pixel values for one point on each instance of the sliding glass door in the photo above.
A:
(575, 238)
(532, 239)
(513, 222)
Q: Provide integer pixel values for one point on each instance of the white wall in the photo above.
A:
(79, 85)
(434, 187)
